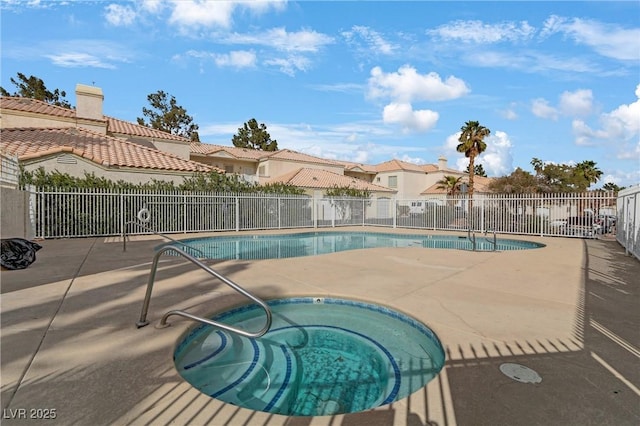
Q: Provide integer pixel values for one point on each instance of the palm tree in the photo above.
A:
(472, 144)
(589, 171)
(451, 184)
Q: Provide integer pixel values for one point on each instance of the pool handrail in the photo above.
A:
(495, 240)
(473, 240)
(147, 228)
(163, 322)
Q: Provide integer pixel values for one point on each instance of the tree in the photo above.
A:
(451, 184)
(166, 115)
(588, 171)
(518, 182)
(472, 144)
(478, 170)
(254, 136)
(347, 191)
(553, 177)
(610, 186)
(34, 88)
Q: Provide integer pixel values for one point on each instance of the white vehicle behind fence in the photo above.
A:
(419, 206)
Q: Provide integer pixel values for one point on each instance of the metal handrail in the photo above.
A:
(152, 276)
(473, 240)
(147, 228)
(495, 240)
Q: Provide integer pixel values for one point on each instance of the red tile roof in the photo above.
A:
(317, 178)
(104, 150)
(239, 153)
(114, 125)
(35, 106)
(393, 165)
(130, 129)
(287, 154)
(257, 155)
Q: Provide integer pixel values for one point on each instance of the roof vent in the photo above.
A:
(66, 159)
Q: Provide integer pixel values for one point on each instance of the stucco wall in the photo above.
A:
(180, 149)
(14, 214)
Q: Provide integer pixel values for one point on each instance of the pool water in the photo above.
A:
(322, 356)
(315, 243)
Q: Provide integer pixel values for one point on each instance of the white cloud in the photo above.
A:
(119, 15)
(619, 128)
(497, 160)
(576, 103)
(152, 6)
(403, 114)
(79, 60)
(407, 85)
(482, 33)
(509, 114)
(572, 104)
(290, 65)
(236, 59)
(608, 40)
(85, 53)
(196, 13)
(307, 41)
(541, 108)
(374, 41)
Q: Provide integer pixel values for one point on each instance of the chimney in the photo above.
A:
(89, 102)
(442, 163)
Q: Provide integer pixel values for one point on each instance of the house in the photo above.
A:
(83, 140)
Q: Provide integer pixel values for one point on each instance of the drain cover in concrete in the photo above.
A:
(520, 373)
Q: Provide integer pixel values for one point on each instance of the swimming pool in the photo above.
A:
(315, 243)
(322, 356)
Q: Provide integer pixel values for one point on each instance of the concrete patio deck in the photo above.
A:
(569, 311)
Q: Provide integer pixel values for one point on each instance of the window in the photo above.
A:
(228, 168)
(378, 179)
(261, 171)
(393, 181)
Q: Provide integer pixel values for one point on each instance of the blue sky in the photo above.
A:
(358, 81)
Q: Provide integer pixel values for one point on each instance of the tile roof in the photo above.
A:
(317, 178)
(287, 154)
(130, 129)
(254, 154)
(108, 151)
(393, 165)
(35, 106)
(363, 168)
(114, 125)
(433, 168)
(239, 153)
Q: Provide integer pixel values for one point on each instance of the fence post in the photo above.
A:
(395, 213)
(314, 211)
(32, 229)
(184, 213)
(237, 213)
(279, 224)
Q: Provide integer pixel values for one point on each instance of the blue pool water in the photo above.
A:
(322, 356)
(315, 243)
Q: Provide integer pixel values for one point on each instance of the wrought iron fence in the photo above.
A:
(80, 213)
